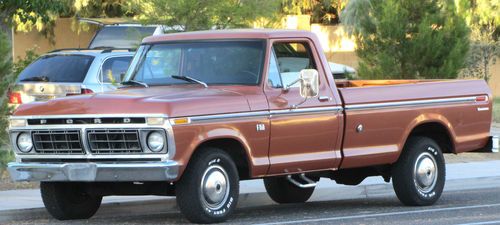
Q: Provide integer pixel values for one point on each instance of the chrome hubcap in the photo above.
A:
(214, 187)
(425, 172)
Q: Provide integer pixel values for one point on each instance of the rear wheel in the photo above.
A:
(209, 188)
(419, 175)
(282, 191)
(68, 201)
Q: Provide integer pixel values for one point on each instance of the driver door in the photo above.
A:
(304, 132)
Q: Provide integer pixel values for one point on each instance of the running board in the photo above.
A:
(309, 183)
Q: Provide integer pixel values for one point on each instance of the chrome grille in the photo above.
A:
(57, 141)
(114, 141)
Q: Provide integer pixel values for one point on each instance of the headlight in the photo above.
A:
(24, 142)
(156, 141)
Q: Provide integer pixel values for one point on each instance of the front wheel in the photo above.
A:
(209, 188)
(419, 175)
(68, 201)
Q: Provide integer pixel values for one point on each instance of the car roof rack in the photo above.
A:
(107, 50)
(103, 50)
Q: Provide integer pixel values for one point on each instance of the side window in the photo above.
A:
(113, 68)
(292, 58)
(274, 78)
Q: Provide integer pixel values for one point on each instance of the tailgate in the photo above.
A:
(44, 91)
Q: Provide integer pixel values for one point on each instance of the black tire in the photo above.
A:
(69, 201)
(421, 188)
(194, 192)
(283, 192)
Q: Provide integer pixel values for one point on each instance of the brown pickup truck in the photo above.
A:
(200, 111)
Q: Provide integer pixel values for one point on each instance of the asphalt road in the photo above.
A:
(473, 206)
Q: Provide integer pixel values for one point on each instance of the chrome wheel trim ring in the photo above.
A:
(425, 172)
(215, 187)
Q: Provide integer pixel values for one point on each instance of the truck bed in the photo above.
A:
(389, 110)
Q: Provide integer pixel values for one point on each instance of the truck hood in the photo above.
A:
(175, 101)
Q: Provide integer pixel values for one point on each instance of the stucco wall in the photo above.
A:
(66, 35)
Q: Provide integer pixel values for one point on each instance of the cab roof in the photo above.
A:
(230, 34)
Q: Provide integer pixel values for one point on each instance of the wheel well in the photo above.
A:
(438, 133)
(234, 149)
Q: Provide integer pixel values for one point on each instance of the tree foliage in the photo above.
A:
(483, 17)
(25, 15)
(202, 15)
(6, 78)
(97, 9)
(321, 11)
(407, 39)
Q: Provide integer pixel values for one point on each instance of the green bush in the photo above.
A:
(6, 156)
(5, 80)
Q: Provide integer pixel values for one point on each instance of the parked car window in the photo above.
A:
(120, 36)
(213, 62)
(57, 68)
(274, 78)
(292, 58)
(113, 68)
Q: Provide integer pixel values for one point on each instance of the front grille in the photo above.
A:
(114, 141)
(57, 141)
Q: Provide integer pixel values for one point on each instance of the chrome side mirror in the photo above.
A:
(309, 83)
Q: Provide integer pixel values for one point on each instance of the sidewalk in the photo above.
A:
(475, 174)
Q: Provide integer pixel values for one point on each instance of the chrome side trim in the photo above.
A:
(89, 171)
(306, 110)
(410, 103)
(229, 116)
(266, 113)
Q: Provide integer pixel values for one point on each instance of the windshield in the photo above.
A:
(212, 62)
(120, 36)
(57, 68)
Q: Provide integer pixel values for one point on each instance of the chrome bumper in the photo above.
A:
(494, 144)
(89, 172)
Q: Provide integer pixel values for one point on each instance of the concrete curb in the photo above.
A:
(168, 205)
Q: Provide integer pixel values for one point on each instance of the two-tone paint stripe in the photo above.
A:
(411, 103)
(269, 114)
(337, 109)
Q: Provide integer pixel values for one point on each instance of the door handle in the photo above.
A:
(324, 98)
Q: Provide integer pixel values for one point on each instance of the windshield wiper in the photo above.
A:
(190, 79)
(38, 78)
(134, 82)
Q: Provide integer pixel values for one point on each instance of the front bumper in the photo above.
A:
(90, 171)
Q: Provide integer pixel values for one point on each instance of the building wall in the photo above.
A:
(66, 35)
